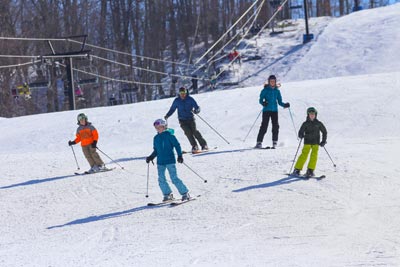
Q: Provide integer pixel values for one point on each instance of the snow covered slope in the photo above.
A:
(249, 212)
(363, 42)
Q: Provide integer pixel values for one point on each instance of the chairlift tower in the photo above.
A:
(68, 56)
(307, 36)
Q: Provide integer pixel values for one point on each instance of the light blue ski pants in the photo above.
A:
(162, 180)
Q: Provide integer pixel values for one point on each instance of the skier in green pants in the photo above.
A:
(310, 131)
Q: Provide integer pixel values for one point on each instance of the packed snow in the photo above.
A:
(249, 213)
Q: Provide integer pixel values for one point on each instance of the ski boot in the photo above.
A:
(205, 147)
(274, 144)
(296, 173)
(258, 145)
(309, 174)
(186, 196)
(195, 149)
(168, 197)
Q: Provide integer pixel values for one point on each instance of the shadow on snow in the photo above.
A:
(221, 152)
(38, 181)
(285, 180)
(96, 218)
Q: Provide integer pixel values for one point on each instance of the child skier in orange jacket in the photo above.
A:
(88, 136)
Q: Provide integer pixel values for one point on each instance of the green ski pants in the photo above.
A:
(304, 155)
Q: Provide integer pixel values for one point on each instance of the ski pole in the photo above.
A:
(109, 157)
(195, 172)
(295, 155)
(75, 157)
(147, 187)
(251, 128)
(212, 128)
(294, 127)
(334, 165)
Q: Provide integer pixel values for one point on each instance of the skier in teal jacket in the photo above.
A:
(270, 98)
(163, 148)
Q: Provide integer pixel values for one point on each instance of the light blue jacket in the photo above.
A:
(163, 148)
(273, 96)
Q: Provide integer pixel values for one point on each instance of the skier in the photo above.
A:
(186, 106)
(88, 136)
(270, 96)
(310, 131)
(194, 86)
(164, 143)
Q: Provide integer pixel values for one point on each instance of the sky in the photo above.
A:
(249, 213)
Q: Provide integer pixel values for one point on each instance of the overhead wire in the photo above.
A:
(262, 29)
(255, 15)
(93, 46)
(220, 39)
(19, 64)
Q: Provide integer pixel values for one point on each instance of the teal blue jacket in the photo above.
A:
(163, 148)
(273, 96)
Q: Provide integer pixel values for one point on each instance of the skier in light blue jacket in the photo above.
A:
(163, 148)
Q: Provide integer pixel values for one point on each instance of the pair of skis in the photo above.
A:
(306, 177)
(172, 202)
(87, 173)
(199, 151)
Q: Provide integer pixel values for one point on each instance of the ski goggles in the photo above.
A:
(159, 122)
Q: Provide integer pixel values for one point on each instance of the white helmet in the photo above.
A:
(160, 122)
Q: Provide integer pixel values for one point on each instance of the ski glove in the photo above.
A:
(70, 143)
(301, 135)
(323, 143)
(196, 111)
(265, 103)
(165, 117)
(94, 144)
(180, 159)
(286, 105)
(149, 158)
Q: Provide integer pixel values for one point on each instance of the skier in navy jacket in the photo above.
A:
(186, 106)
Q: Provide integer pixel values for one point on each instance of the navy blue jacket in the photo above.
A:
(185, 107)
(163, 145)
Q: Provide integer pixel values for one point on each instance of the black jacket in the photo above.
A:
(310, 131)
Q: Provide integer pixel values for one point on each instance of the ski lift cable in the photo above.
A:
(93, 46)
(139, 68)
(262, 29)
(113, 79)
(20, 64)
(17, 56)
(233, 38)
(131, 55)
(116, 80)
(233, 25)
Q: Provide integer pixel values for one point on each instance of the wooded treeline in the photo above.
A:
(174, 30)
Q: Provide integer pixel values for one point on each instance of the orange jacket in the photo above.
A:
(86, 134)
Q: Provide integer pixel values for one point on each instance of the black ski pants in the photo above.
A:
(264, 126)
(191, 132)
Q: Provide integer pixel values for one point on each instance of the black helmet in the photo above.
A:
(81, 116)
(312, 110)
(271, 77)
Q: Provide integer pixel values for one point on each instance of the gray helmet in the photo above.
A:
(81, 116)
